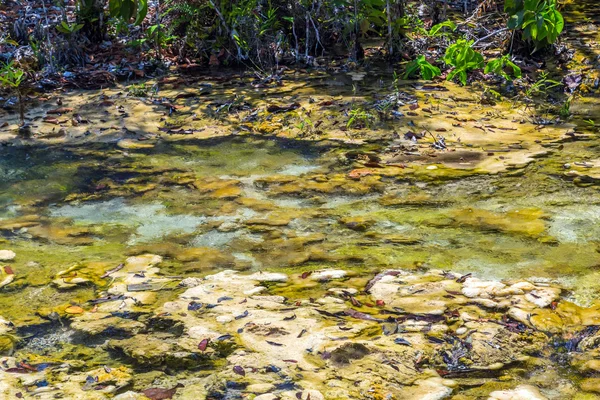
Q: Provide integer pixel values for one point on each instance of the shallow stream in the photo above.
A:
(510, 199)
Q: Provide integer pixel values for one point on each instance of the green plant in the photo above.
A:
(423, 67)
(565, 109)
(68, 29)
(540, 20)
(490, 96)
(396, 81)
(497, 66)
(12, 78)
(155, 35)
(129, 10)
(438, 29)
(359, 118)
(541, 85)
(463, 58)
(138, 90)
(305, 125)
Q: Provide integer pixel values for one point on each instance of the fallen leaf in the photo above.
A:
(239, 370)
(402, 342)
(62, 110)
(51, 120)
(74, 310)
(242, 315)
(277, 109)
(203, 344)
(159, 393)
(306, 274)
(359, 173)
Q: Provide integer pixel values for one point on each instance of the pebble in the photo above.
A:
(268, 277)
(266, 396)
(223, 319)
(260, 388)
(328, 274)
(7, 255)
(461, 331)
(190, 282)
(255, 290)
(521, 392)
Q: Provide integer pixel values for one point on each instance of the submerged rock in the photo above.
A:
(7, 255)
(521, 392)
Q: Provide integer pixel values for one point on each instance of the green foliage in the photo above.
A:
(68, 29)
(11, 76)
(541, 85)
(423, 67)
(359, 118)
(539, 20)
(498, 65)
(129, 10)
(438, 29)
(565, 109)
(155, 35)
(463, 58)
(138, 90)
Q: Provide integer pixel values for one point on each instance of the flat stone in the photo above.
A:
(543, 297)
(428, 389)
(521, 392)
(190, 282)
(328, 274)
(260, 388)
(311, 395)
(255, 290)
(268, 277)
(223, 319)
(590, 385)
(7, 255)
(266, 396)
(474, 287)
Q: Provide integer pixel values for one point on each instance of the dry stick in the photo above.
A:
(318, 37)
(307, 36)
(389, 23)
(295, 38)
(52, 69)
(240, 55)
(489, 36)
(157, 39)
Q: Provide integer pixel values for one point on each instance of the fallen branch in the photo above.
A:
(489, 36)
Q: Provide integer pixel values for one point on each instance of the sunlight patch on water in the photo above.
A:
(576, 224)
(214, 239)
(150, 220)
(298, 169)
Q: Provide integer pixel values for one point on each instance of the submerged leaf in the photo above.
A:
(239, 370)
(402, 342)
(203, 344)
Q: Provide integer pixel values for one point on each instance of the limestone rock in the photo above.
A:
(521, 392)
(7, 255)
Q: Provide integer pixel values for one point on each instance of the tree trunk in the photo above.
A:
(389, 24)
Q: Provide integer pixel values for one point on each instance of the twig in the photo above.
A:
(489, 36)
(240, 55)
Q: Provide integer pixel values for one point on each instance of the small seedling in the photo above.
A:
(12, 78)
